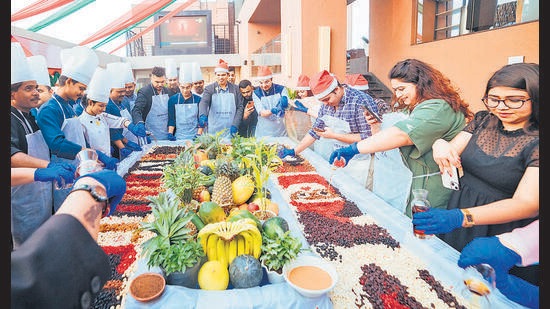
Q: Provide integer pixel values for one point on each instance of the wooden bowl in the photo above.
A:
(147, 286)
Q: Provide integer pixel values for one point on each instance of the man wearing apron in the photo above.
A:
(59, 123)
(172, 83)
(129, 99)
(221, 106)
(198, 80)
(183, 108)
(151, 106)
(270, 101)
(95, 122)
(32, 203)
(121, 146)
(340, 121)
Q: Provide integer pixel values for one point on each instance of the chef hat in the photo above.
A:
(128, 73)
(222, 66)
(197, 73)
(322, 84)
(264, 72)
(186, 72)
(79, 63)
(39, 69)
(303, 83)
(100, 86)
(171, 68)
(20, 68)
(357, 81)
(117, 74)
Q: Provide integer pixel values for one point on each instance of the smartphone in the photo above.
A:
(250, 104)
(367, 108)
(449, 181)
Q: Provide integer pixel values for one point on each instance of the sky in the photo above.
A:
(78, 26)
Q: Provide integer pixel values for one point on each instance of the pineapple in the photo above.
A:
(197, 192)
(222, 193)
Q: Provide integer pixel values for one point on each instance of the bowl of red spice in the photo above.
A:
(147, 286)
(310, 275)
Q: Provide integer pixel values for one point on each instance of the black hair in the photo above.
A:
(244, 83)
(158, 71)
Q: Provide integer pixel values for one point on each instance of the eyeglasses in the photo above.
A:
(512, 103)
(325, 98)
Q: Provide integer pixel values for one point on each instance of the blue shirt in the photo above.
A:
(50, 119)
(349, 109)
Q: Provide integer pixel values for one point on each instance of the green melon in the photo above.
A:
(211, 212)
(245, 272)
(274, 227)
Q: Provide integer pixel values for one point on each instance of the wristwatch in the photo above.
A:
(96, 196)
(469, 218)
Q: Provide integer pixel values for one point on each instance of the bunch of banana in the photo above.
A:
(223, 241)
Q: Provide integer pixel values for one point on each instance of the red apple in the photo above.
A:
(252, 207)
(204, 196)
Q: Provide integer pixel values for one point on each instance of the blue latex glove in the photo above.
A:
(203, 121)
(65, 165)
(171, 137)
(300, 107)
(283, 102)
(133, 146)
(124, 152)
(286, 152)
(345, 152)
(518, 290)
(438, 221)
(56, 173)
(148, 139)
(277, 111)
(233, 130)
(491, 251)
(114, 184)
(110, 162)
(138, 129)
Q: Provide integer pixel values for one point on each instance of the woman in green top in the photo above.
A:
(435, 110)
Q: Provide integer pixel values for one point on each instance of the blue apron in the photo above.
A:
(186, 120)
(272, 125)
(31, 204)
(157, 118)
(222, 112)
(72, 128)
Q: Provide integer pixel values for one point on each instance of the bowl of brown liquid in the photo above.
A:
(310, 275)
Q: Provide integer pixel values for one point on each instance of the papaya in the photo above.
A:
(211, 212)
(236, 214)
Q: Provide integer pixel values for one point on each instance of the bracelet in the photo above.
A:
(469, 218)
(95, 195)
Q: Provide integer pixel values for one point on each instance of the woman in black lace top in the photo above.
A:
(498, 152)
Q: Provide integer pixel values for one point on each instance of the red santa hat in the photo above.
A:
(357, 81)
(222, 66)
(322, 84)
(303, 83)
(264, 72)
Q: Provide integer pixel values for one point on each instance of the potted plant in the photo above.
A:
(173, 248)
(260, 163)
(278, 250)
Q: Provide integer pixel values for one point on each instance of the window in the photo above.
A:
(442, 19)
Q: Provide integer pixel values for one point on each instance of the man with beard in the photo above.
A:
(247, 127)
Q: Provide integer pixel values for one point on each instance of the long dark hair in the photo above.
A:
(524, 76)
(430, 84)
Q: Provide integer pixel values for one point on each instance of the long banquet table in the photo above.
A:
(440, 258)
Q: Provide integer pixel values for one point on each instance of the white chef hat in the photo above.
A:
(197, 73)
(129, 73)
(20, 68)
(171, 68)
(40, 69)
(186, 72)
(117, 74)
(100, 86)
(79, 63)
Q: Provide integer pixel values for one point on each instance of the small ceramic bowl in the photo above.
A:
(147, 286)
(317, 278)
